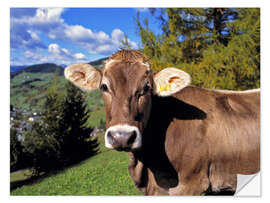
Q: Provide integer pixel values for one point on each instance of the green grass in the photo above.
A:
(96, 116)
(103, 174)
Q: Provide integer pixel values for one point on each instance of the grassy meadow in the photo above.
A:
(103, 174)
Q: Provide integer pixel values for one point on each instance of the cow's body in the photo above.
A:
(198, 140)
(182, 140)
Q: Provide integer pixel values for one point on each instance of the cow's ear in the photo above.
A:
(84, 76)
(169, 81)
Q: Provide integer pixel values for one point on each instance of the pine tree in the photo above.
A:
(77, 144)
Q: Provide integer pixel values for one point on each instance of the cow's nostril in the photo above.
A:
(132, 137)
(110, 138)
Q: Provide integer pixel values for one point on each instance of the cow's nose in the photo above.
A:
(123, 137)
(121, 140)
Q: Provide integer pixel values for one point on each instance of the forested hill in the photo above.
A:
(40, 68)
(50, 68)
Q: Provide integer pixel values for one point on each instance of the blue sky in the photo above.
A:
(70, 35)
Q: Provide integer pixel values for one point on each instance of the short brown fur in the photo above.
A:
(206, 140)
(130, 56)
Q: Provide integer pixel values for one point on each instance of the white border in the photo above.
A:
(135, 3)
(265, 84)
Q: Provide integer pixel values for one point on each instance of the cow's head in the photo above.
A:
(127, 84)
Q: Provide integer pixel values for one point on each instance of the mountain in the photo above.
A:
(39, 68)
(16, 68)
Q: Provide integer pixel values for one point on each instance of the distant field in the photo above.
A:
(104, 174)
(27, 90)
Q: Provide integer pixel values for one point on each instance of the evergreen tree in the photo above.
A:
(77, 144)
(218, 47)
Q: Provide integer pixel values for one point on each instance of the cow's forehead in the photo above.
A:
(124, 72)
(113, 63)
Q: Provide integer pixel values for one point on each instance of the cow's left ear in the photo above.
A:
(169, 81)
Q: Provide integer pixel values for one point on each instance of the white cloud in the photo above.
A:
(117, 36)
(77, 33)
(79, 56)
(54, 54)
(27, 27)
(54, 48)
(29, 54)
(62, 53)
(97, 42)
(48, 14)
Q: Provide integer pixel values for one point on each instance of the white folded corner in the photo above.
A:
(248, 185)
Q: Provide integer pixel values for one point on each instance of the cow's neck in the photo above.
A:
(153, 156)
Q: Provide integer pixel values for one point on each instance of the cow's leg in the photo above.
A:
(222, 181)
(193, 179)
(192, 184)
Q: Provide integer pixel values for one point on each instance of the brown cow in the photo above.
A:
(182, 140)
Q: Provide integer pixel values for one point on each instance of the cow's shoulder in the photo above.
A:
(226, 101)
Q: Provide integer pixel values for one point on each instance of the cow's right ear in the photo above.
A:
(84, 76)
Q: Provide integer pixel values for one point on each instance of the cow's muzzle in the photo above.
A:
(123, 137)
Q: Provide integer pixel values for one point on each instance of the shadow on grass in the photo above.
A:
(30, 179)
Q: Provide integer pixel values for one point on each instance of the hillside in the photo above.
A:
(104, 174)
(27, 89)
(28, 85)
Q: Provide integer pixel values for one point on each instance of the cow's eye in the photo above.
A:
(104, 88)
(143, 91)
(146, 88)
